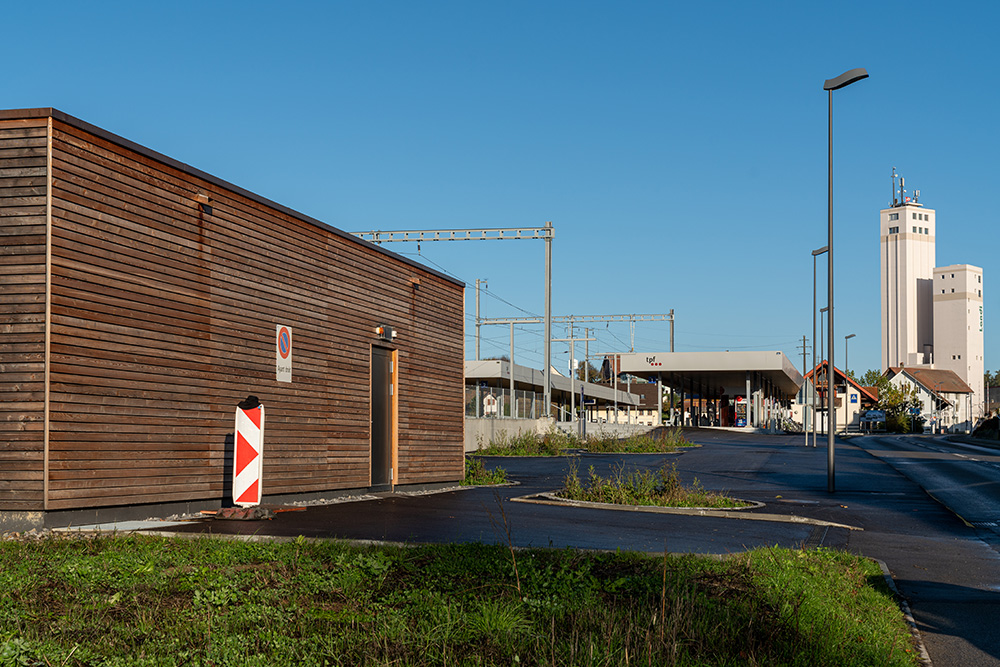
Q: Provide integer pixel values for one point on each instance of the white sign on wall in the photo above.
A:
(283, 353)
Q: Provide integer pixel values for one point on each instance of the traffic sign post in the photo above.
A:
(248, 459)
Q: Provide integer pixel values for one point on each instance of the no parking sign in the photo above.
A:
(283, 353)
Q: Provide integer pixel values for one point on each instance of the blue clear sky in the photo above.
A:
(678, 148)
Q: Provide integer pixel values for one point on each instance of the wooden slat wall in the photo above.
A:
(163, 318)
(23, 150)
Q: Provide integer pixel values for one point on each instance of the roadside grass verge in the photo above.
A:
(476, 474)
(662, 488)
(141, 600)
(556, 443)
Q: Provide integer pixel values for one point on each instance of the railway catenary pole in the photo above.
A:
(546, 233)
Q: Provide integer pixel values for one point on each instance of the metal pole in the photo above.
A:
(830, 484)
(548, 322)
(824, 404)
(814, 352)
(673, 417)
(804, 429)
(659, 401)
(513, 403)
(478, 281)
(830, 85)
(572, 377)
(614, 371)
(847, 391)
(671, 329)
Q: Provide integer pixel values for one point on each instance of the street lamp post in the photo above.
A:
(826, 375)
(815, 253)
(830, 85)
(846, 391)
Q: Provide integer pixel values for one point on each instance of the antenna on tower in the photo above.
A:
(893, 186)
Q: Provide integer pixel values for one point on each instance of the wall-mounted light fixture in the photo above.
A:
(385, 332)
(204, 202)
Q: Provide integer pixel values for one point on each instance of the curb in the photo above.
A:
(552, 499)
(925, 658)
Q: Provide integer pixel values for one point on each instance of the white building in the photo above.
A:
(907, 262)
(958, 326)
(931, 317)
(945, 400)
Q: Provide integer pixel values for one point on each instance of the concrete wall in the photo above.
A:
(613, 430)
(480, 431)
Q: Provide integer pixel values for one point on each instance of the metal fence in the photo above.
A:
(495, 403)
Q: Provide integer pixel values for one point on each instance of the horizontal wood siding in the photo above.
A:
(163, 318)
(23, 156)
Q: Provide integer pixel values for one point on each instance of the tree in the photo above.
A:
(991, 379)
(593, 371)
(897, 402)
(870, 378)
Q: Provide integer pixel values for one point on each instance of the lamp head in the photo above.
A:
(846, 79)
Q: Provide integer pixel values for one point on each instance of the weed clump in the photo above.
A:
(671, 440)
(662, 488)
(476, 473)
(552, 443)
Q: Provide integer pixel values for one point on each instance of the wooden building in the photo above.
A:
(141, 300)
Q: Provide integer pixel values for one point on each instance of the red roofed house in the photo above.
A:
(945, 397)
(858, 399)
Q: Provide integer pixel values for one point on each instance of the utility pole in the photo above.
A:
(572, 371)
(671, 315)
(513, 403)
(484, 286)
(571, 319)
(546, 233)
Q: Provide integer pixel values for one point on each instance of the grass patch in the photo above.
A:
(662, 488)
(671, 441)
(553, 443)
(140, 600)
(476, 473)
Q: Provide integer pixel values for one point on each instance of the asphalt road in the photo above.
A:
(952, 580)
(963, 476)
(949, 570)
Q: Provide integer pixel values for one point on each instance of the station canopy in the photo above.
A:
(714, 374)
